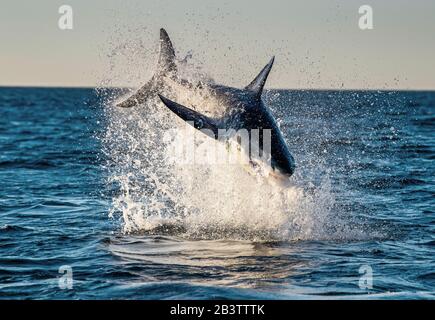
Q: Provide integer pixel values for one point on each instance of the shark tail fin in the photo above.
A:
(257, 84)
(140, 96)
(165, 67)
(193, 118)
(166, 62)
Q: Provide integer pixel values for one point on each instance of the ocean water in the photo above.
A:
(88, 189)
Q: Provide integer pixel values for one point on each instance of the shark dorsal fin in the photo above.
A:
(167, 54)
(192, 117)
(257, 84)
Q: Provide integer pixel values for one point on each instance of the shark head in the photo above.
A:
(245, 111)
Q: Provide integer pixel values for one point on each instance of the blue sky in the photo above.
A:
(317, 43)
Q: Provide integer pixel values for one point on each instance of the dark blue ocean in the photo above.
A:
(359, 223)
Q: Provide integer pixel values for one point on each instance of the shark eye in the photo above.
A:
(199, 124)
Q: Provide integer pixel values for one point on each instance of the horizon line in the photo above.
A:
(276, 89)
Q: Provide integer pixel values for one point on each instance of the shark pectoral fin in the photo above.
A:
(192, 117)
(257, 84)
(166, 62)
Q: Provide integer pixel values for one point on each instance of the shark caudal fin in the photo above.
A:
(166, 62)
(166, 67)
(257, 84)
(193, 118)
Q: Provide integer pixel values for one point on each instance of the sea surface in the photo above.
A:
(76, 223)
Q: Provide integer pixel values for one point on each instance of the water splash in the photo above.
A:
(200, 201)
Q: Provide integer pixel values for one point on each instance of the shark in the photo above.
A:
(244, 109)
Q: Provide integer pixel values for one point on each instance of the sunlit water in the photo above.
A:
(88, 186)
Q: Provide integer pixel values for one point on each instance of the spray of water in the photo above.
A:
(158, 195)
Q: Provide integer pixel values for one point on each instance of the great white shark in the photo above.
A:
(245, 109)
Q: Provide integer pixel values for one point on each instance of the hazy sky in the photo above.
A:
(317, 43)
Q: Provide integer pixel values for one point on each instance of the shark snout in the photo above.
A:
(279, 177)
(283, 165)
(285, 171)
